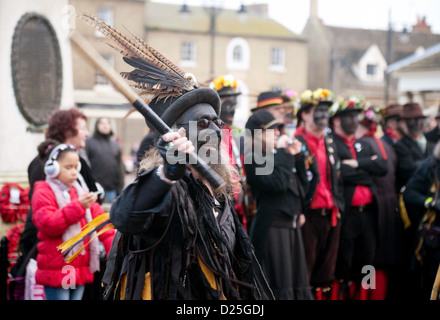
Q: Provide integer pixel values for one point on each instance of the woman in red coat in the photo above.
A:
(60, 209)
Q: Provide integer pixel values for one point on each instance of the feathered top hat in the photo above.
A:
(170, 90)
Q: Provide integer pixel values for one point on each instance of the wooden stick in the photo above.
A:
(122, 86)
(435, 287)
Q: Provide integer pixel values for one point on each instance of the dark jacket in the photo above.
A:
(168, 234)
(421, 185)
(105, 159)
(363, 175)
(389, 248)
(409, 155)
(281, 193)
(433, 135)
(334, 163)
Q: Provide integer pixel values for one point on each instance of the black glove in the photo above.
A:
(172, 171)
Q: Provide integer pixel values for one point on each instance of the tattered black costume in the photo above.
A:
(172, 236)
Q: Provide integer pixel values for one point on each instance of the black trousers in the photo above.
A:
(321, 243)
(357, 244)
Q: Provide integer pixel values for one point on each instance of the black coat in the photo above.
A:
(409, 155)
(105, 158)
(278, 193)
(389, 250)
(363, 175)
(169, 233)
(281, 197)
(421, 185)
(334, 163)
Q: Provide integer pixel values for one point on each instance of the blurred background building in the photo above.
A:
(209, 40)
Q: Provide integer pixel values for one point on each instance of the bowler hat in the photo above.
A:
(412, 110)
(268, 99)
(392, 111)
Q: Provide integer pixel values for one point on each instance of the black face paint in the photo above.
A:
(202, 125)
(415, 126)
(349, 122)
(228, 110)
(321, 116)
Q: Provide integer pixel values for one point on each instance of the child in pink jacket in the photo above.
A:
(60, 209)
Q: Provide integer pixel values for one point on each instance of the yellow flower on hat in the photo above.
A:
(322, 95)
(316, 96)
(306, 97)
(224, 82)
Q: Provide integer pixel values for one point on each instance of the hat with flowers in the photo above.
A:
(226, 86)
(341, 106)
(310, 98)
(372, 114)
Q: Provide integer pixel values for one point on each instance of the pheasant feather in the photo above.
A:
(154, 75)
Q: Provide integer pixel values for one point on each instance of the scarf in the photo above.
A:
(62, 195)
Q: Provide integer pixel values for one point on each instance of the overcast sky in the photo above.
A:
(345, 13)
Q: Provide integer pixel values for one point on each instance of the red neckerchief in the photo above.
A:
(323, 195)
(362, 194)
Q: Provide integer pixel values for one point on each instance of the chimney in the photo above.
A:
(261, 9)
(313, 9)
(421, 26)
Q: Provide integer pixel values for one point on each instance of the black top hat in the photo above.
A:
(268, 99)
(262, 119)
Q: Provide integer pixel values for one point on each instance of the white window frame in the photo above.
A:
(188, 54)
(231, 62)
(277, 59)
(100, 79)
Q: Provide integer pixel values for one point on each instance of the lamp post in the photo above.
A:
(404, 38)
(213, 11)
(388, 58)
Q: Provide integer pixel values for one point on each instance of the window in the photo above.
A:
(106, 15)
(237, 54)
(277, 57)
(188, 54)
(371, 69)
(100, 78)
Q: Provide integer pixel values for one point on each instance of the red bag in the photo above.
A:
(14, 202)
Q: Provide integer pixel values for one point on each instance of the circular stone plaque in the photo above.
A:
(36, 68)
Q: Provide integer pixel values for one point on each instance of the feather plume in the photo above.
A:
(99, 225)
(154, 75)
